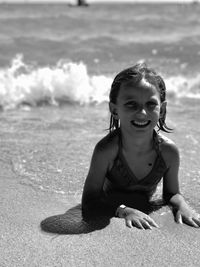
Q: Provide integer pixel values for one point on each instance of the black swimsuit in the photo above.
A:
(121, 178)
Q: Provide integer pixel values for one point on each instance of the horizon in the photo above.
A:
(100, 1)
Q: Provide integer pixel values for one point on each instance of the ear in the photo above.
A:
(113, 110)
(163, 109)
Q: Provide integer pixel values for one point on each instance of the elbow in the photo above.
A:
(84, 203)
(85, 208)
(88, 205)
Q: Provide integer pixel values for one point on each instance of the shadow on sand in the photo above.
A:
(72, 222)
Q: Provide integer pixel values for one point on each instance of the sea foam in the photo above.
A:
(69, 82)
(26, 84)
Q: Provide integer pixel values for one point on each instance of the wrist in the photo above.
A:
(121, 211)
(177, 200)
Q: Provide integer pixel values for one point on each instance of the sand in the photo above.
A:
(102, 243)
(110, 243)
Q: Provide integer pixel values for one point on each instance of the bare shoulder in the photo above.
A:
(108, 145)
(169, 150)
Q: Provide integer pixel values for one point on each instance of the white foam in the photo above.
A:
(180, 86)
(22, 83)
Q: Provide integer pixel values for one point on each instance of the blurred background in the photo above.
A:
(52, 52)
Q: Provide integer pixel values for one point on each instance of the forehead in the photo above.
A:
(135, 91)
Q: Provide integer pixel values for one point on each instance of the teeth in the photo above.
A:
(141, 123)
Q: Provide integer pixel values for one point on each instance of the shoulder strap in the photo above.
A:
(156, 142)
(119, 142)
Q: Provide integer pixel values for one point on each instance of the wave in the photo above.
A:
(23, 84)
(183, 87)
(27, 84)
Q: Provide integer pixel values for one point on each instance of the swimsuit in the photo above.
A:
(121, 179)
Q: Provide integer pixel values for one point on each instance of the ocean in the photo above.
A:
(56, 66)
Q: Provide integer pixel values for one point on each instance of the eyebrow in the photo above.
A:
(133, 98)
(129, 98)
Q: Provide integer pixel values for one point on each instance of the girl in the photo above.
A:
(130, 161)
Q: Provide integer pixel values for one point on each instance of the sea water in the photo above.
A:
(56, 67)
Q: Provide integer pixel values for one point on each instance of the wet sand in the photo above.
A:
(106, 243)
(32, 141)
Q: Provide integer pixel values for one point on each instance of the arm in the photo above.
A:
(171, 192)
(93, 199)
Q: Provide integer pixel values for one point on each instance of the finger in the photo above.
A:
(151, 222)
(190, 222)
(197, 221)
(179, 218)
(138, 224)
(146, 225)
(129, 224)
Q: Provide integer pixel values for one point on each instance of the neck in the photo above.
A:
(141, 143)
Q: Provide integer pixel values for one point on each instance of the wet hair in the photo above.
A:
(134, 75)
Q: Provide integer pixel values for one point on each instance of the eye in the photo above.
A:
(131, 104)
(151, 104)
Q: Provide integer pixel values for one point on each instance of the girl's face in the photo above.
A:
(138, 107)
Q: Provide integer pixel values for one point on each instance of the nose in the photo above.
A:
(141, 112)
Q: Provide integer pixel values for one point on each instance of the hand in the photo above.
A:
(188, 216)
(138, 219)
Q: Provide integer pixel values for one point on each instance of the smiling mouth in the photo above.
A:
(140, 124)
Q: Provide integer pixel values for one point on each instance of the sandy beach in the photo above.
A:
(24, 244)
(55, 66)
(41, 138)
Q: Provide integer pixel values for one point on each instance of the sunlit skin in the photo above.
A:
(138, 108)
(137, 105)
